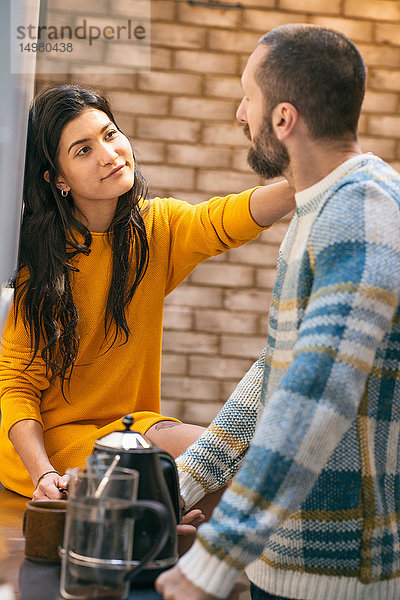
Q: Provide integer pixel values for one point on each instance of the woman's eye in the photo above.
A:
(83, 151)
(110, 133)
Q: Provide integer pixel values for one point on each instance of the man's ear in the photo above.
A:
(284, 119)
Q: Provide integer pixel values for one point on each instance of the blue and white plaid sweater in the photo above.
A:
(317, 498)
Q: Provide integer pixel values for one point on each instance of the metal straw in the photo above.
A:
(105, 479)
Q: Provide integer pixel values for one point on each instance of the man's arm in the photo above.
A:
(215, 457)
(354, 297)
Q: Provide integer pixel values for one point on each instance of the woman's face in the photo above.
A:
(95, 160)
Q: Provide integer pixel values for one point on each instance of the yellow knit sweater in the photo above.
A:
(126, 379)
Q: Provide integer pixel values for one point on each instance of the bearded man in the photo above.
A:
(313, 428)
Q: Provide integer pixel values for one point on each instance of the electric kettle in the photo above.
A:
(158, 480)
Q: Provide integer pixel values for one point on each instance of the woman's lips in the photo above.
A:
(115, 171)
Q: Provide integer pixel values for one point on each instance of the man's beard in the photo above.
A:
(267, 156)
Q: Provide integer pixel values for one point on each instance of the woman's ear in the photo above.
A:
(60, 183)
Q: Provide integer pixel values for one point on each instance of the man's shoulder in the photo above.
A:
(364, 204)
(370, 172)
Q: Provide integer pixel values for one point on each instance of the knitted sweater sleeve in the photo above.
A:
(216, 456)
(354, 251)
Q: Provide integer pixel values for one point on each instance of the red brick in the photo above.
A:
(385, 148)
(91, 6)
(358, 31)
(224, 87)
(205, 62)
(252, 300)
(138, 104)
(210, 17)
(313, 6)
(172, 408)
(382, 79)
(193, 197)
(380, 56)
(190, 387)
(384, 126)
(190, 342)
(265, 20)
(275, 234)
(263, 323)
(168, 129)
(242, 345)
(255, 253)
(384, 10)
(387, 33)
(224, 135)
(198, 156)
(177, 36)
(173, 364)
(125, 8)
(160, 58)
(363, 124)
(162, 10)
(396, 165)
(225, 182)
(125, 123)
(106, 79)
(191, 295)
(223, 274)
(265, 278)
(177, 317)
(167, 177)
(225, 321)
(218, 368)
(202, 108)
(239, 161)
(259, 3)
(380, 102)
(232, 41)
(201, 413)
(148, 152)
(175, 83)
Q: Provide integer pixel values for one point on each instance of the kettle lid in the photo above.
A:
(124, 439)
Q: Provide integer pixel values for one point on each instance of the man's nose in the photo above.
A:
(241, 112)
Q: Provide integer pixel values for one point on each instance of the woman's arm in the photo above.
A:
(271, 202)
(27, 439)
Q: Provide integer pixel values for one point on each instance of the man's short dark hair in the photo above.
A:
(319, 71)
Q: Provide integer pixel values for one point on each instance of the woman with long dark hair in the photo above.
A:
(82, 344)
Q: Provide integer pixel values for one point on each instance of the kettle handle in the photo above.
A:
(170, 472)
(163, 516)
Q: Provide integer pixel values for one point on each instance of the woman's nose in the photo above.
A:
(107, 155)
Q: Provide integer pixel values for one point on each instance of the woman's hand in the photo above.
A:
(190, 522)
(51, 486)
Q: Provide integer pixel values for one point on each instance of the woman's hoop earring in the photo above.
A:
(64, 193)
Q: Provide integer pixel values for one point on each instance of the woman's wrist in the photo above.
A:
(43, 475)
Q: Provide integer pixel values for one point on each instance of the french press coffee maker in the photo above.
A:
(158, 480)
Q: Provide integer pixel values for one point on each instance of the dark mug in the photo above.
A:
(43, 528)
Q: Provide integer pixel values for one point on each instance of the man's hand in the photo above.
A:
(190, 522)
(173, 585)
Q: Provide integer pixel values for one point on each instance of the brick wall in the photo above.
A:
(181, 119)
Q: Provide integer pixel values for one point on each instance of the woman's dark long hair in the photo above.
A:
(51, 237)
